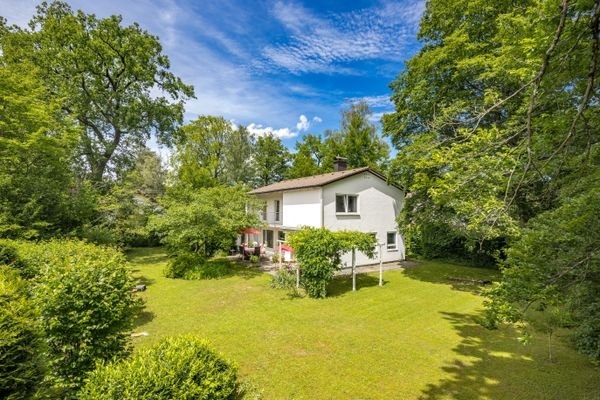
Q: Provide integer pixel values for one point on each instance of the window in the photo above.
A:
(276, 204)
(346, 203)
(281, 236)
(264, 212)
(268, 238)
(391, 240)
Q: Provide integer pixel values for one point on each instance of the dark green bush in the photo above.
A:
(20, 363)
(83, 293)
(175, 368)
(194, 267)
(9, 255)
(182, 264)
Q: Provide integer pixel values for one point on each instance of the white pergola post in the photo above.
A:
(380, 265)
(354, 270)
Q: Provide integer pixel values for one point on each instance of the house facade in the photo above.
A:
(357, 199)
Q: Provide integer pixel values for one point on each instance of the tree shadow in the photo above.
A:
(459, 277)
(492, 364)
(342, 284)
(141, 279)
(143, 318)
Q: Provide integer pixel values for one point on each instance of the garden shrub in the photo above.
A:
(195, 267)
(86, 305)
(179, 266)
(20, 363)
(284, 278)
(318, 252)
(175, 368)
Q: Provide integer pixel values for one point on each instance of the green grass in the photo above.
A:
(414, 338)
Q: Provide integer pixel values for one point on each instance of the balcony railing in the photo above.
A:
(271, 217)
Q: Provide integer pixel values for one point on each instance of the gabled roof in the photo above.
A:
(314, 181)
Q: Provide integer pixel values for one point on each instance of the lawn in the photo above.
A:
(414, 338)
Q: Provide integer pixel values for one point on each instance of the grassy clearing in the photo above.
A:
(415, 337)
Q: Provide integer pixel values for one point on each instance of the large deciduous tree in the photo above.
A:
(361, 144)
(114, 80)
(270, 160)
(210, 151)
(496, 124)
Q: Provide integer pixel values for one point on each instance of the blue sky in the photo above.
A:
(286, 67)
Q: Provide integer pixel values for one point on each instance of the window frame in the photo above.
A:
(387, 243)
(277, 210)
(346, 203)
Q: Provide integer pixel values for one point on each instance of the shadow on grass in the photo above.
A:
(141, 279)
(143, 318)
(492, 364)
(459, 277)
(342, 284)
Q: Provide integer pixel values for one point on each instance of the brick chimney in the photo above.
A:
(339, 164)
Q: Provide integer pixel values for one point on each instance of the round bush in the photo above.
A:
(86, 305)
(19, 363)
(175, 368)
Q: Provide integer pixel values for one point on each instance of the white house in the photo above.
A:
(357, 199)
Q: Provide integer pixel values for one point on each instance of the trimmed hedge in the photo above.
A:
(175, 368)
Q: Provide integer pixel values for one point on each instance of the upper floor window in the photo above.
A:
(346, 203)
(277, 210)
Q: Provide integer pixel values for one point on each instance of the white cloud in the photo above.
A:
(323, 44)
(303, 123)
(382, 101)
(318, 120)
(282, 133)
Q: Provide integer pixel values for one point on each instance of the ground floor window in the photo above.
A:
(268, 238)
(391, 241)
(281, 236)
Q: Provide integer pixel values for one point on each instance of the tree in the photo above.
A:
(124, 211)
(210, 152)
(499, 137)
(108, 75)
(270, 160)
(308, 158)
(39, 195)
(238, 157)
(361, 145)
(202, 221)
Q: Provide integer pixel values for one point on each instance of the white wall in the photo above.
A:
(270, 198)
(302, 208)
(378, 206)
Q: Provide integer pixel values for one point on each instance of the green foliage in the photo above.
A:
(39, 195)
(86, 307)
(317, 251)
(192, 267)
(495, 122)
(284, 278)
(556, 262)
(175, 368)
(361, 145)
(357, 241)
(210, 152)
(105, 72)
(270, 160)
(254, 259)
(20, 344)
(308, 159)
(205, 220)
